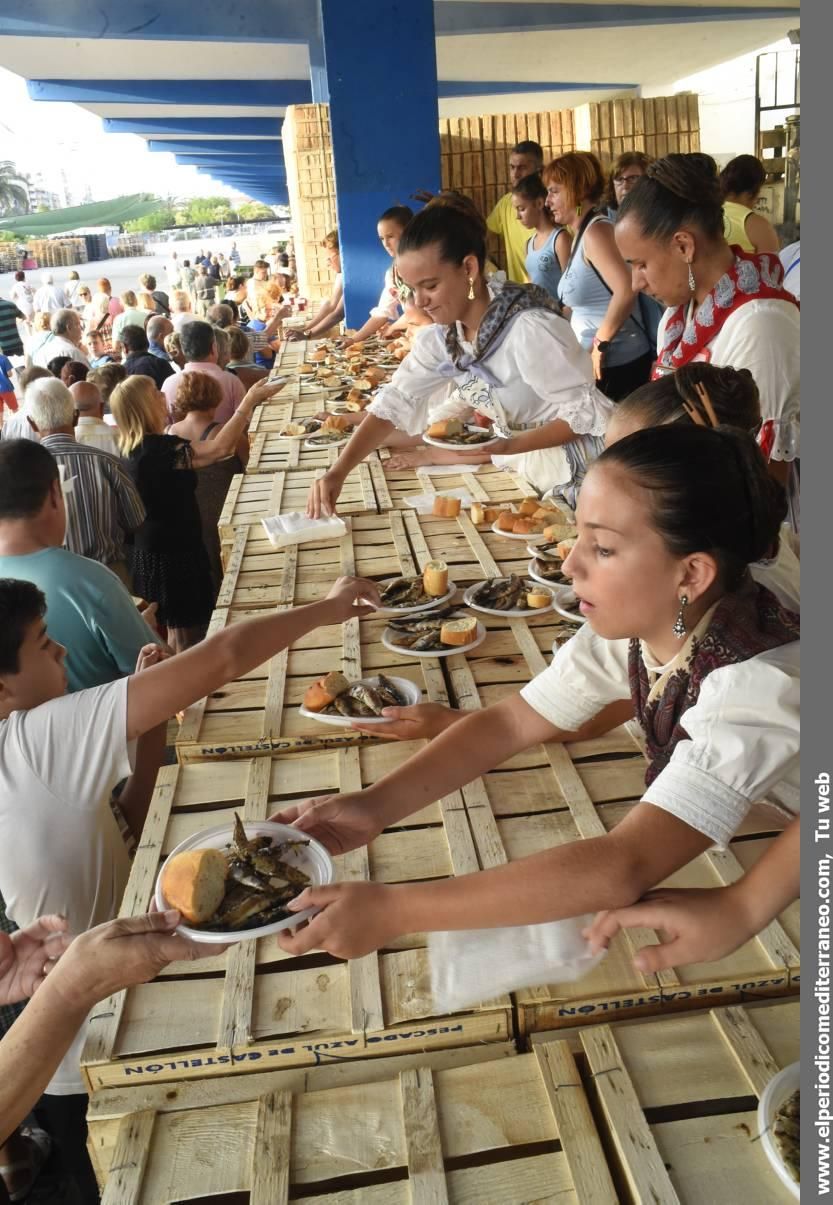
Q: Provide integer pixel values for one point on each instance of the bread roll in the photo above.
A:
(336, 422)
(565, 547)
(529, 506)
(446, 508)
(435, 579)
(362, 385)
(522, 526)
(491, 514)
(559, 531)
(305, 368)
(478, 514)
(459, 631)
(318, 355)
(400, 353)
(322, 693)
(195, 883)
(545, 512)
(445, 428)
(537, 597)
(505, 520)
(375, 375)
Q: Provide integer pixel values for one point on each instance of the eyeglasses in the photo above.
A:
(627, 179)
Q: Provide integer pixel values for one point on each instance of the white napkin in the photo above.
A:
(475, 965)
(447, 470)
(295, 528)
(423, 504)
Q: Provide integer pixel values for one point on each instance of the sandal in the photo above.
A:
(39, 1146)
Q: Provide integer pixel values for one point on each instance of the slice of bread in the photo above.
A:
(459, 631)
(195, 883)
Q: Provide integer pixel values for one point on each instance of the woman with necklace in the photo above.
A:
(505, 352)
(726, 307)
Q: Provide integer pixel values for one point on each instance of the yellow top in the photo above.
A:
(734, 225)
(503, 220)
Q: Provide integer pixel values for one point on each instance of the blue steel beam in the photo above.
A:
(173, 92)
(228, 127)
(218, 146)
(467, 17)
(184, 21)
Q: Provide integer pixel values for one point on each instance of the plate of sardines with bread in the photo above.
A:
(333, 699)
(234, 882)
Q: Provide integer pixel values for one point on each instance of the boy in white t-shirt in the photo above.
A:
(60, 757)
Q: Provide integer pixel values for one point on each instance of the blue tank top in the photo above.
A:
(542, 266)
(587, 296)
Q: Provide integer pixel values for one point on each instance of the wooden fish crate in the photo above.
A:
(677, 1102)
(454, 1127)
(488, 484)
(258, 713)
(269, 451)
(254, 1008)
(658, 125)
(308, 154)
(474, 151)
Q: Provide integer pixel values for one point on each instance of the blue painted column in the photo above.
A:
(382, 78)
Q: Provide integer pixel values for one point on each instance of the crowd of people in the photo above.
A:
(639, 355)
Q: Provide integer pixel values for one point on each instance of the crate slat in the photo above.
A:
(451, 1126)
(691, 1082)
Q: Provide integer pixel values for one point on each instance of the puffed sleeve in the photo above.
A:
(388, 303)
(743, 742)
(416, 384)
(556, 367)
(586, 674)
(764, 337)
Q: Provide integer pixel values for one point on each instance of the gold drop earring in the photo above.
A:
(470, 293)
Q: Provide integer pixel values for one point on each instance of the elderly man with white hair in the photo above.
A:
(49, 297)
(65, 339)
(104, 505)
(90, 428)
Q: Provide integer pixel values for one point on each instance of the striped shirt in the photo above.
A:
(10, 341)
(104, 504)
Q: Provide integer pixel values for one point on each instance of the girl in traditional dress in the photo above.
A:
(505, 352)
(725, 306)
(678, 635)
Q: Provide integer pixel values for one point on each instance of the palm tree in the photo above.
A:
(14, 196)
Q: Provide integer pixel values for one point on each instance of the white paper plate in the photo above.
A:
(534, 550)
(313, 859)
(514, 613)
(304, 435)
(417, 610)
(449, 445)
(539, 577)
(561, 595)
(409, 689)
(331, 443)
(444, 652)
(530, 537)
(775, 1093)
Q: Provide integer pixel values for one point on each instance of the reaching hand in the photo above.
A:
(700, 925)
(26, 957)
(121, 953)
(348, 591)
(420, 721)
(261, 391)
(339, 822)
(151, 654)
(355, 919)
(323, 495)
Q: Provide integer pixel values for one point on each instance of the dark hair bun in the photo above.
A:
(710, 491)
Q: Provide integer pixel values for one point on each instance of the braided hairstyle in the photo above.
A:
(677, 191)
(732, 392)
(710, 491)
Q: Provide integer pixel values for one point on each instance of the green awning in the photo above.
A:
(102, 213)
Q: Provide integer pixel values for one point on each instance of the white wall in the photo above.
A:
(727, 104)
